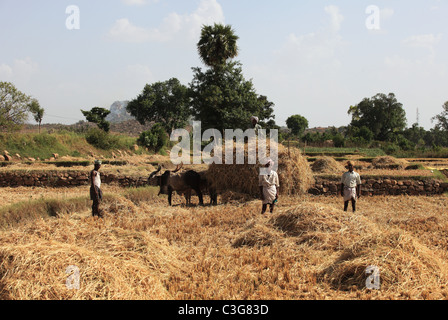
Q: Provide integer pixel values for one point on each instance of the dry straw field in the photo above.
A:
(143, 249)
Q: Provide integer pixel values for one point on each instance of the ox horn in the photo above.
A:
(178, 167)
(155, 172)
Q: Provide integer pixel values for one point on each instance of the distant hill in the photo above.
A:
(118, 112)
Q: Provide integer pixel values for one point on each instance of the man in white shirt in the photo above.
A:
(96, 194)
(350, 186)
(269, 186)
(255, 124)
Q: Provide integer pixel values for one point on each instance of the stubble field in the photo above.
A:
(308, 249)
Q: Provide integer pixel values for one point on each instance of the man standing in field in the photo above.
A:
(255, 124)
(96, 194)
(269, 186)
(350, 186)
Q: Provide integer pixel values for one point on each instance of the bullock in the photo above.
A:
(180, 182)
(205, 185)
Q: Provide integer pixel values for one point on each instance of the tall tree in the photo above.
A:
(37, 111)
(218, 44)
(297, 124)
(225, 100)
(98, 116)
(381, 114)
(166, 103)
(221, 97)
(14, 107)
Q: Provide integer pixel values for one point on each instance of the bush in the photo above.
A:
(405, 144)
(102, 140)
(339, 141)
(390, 148)
(154, 139)
(359, 142)
(366, 134)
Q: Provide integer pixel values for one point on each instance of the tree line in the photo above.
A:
(379, 121)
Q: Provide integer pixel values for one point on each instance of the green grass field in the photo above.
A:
(64, 143)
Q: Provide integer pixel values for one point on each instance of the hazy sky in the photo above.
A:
(313, 58)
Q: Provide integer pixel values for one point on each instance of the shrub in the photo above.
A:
(154, 139)
(102, 140)
(359, 142)
(390, 148)
(405, 144)
(339, 141)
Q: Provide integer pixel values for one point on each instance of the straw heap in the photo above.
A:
(327, 165)
(388, 162)
(294, 173)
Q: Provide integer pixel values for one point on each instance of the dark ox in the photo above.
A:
(180, 182)
(207, 185)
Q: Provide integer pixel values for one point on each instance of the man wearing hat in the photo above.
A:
(255, 124)
(350, 186)
(95, 189)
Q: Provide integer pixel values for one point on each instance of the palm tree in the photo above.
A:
(217, 45)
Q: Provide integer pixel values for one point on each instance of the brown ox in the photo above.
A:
(205, 185)
(180, 182)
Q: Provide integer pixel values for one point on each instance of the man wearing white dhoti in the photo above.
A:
(350, 186)
(269, 186)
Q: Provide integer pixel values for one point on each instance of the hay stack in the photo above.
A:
(294, 173)
(401, 260)
(120, 264)
(327, 165)
(257, 236)
(388, 162)
(320, 226)
(347, 245)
